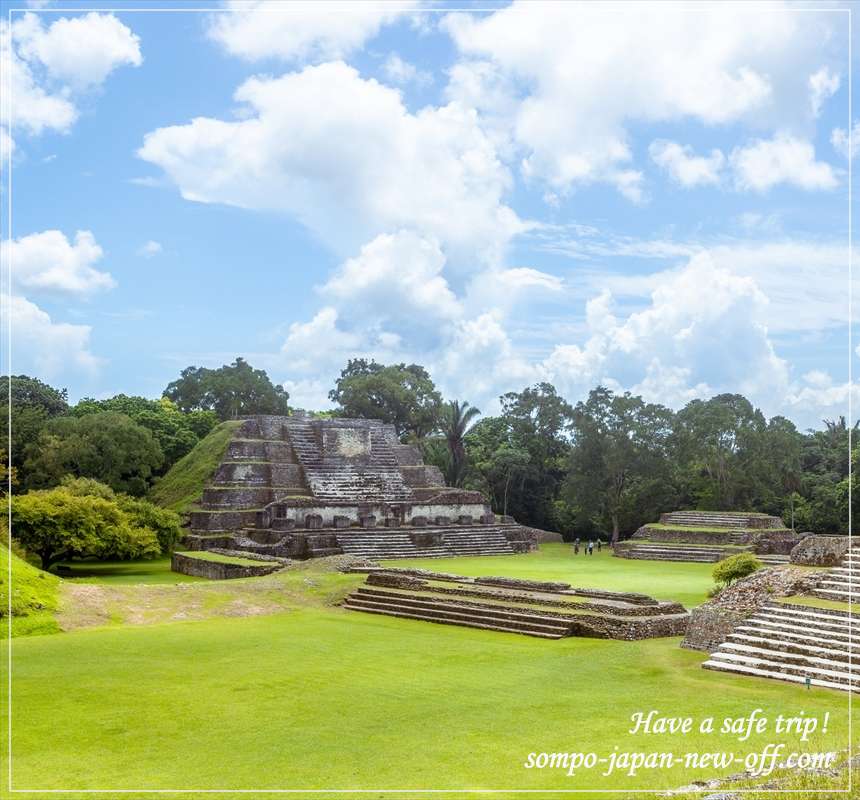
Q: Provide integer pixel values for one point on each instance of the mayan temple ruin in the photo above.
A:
(300, 487)
(711, 536)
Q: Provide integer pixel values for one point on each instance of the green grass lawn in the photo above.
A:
(326, 698)
(156, 570)
(687, 583)
(317, 697)
(35, 596)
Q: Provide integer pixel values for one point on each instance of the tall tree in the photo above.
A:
(231, 391)
(33, 403)
(400, 394)
(456, 419)
(538, 422)
(620, 452)
(716, 445)
(107, 446)
(176, 432)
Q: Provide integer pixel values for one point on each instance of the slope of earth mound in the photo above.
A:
(181, 489)
(34, 596)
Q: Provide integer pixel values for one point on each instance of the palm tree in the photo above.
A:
(456, 421)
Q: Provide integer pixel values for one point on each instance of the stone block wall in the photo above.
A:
(219, 570)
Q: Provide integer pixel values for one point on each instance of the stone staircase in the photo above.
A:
(704, 519)
(335, 479)
(476, 540)
(717, 519)
(773, 560)
(842, 582)
(456, 612)
(791, 643)
(655, 551)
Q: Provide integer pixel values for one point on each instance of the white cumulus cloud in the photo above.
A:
(150, 249)
(839, 138)
(683, 166)
(50, 349)
(346, 158)
(565, 81)
(401, 72)
(765, 163)
(292, 31)
(48, 67)
(78, 51)
(823, 84)
(48, 261)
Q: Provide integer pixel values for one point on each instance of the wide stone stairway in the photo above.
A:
(842, 582)
(334, 478)
(656, 551)
(474, 540)
(791, 642)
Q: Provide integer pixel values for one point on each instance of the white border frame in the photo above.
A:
(297, 4)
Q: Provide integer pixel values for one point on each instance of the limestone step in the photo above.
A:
(842, 664)
(770, 642)
(453, 604)
(772, 559)
(456, 616)
(746, 669)
(837, 594)
(798, 626)
(462, 623)
(837, 676)
(791, 636)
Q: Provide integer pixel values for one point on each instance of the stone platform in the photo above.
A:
(301, 487)
(508, 605)
(711, 536)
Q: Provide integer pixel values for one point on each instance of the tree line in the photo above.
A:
(602, 466)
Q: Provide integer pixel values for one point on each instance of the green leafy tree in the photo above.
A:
(400, 394)
(107, 446)
(57, 525)
(620, 450)
(538, 422)
(231, 391)
(33, 403)
(716, 443)
(455, 420)
(175, 431)
(165, 523)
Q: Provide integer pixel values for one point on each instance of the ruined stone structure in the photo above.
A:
(301, 487)
(820, 551)
(711, 536)
(509, 605)
(750, 630)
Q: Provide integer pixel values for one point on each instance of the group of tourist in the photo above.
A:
(587, 547)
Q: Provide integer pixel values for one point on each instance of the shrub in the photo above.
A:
(733, 568)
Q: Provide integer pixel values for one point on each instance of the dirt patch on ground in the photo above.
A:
(86, 605)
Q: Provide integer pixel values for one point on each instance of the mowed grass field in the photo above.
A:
(686, 583)
(315, 697)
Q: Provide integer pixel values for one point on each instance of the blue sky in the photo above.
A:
(651, 197)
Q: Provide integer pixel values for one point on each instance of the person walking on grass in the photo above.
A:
(576, 546)
(590, 547)
(599, 544)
